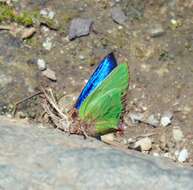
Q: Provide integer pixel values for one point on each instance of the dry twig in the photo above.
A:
(50, 105)
(24, 100)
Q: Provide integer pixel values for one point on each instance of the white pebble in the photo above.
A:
(41, 64)
(183, 155)
(176, 153)
(173, 21)
(125, 142)
(166, 119)
(43, 12)
(168, 155)
(81, 57)
(45, 29)
(145, 144)
(156, 154)
(51, 14)
(120, 27)
(130, 140)
(47, 44)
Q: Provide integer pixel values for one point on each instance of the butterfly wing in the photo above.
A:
(104, 105)
(101, 72)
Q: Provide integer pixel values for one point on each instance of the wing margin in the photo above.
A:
(105, 67)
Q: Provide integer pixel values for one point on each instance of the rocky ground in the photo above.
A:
(59, 43)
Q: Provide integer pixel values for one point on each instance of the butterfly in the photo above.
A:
(100, 103)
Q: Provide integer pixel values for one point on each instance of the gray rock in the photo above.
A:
(118, 15)
(50, 74)
(79, 27)
(156, 30)
(134, 9)
(34, 157)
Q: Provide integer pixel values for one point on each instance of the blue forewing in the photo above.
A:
(102, 71)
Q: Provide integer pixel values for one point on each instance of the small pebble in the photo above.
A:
(79, 27)
(118, 15)
(49, 74)
(51, 14)
(144, 144)
(120, 27)
(183, 155)
(177, 134)
(156, 31)
(168, 155)
(156, 154)
(108, 137)
(176, 153)
(152, 120)
(166, 119)
(45, 29)
(81, 57)
(47, 44)
(125, 141)
(43, 12)
(131, 140)
(47, 13)
(136, 117)
(20, 115)
(28, 32)
(41, 64)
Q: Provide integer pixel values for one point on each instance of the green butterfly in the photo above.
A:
(104, 106)
(99, 107)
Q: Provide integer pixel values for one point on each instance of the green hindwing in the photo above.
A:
(104, 106)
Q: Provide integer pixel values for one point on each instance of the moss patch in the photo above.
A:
(8, 14)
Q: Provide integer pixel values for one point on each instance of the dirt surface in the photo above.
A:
(161, 69)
